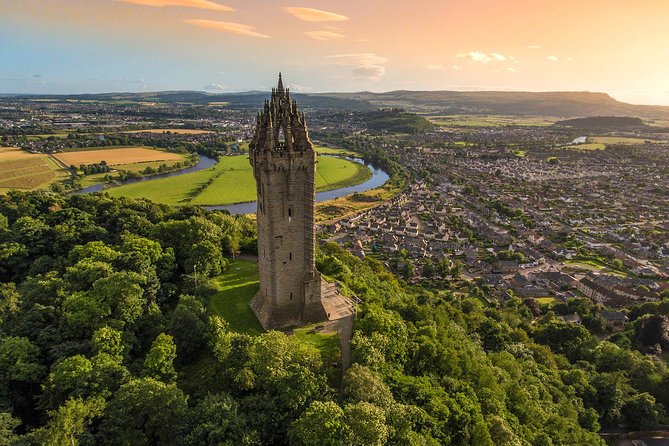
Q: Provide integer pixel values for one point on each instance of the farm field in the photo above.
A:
(231, 181)
(116, 156)
(23, 170)
(490, 120)
(586, 146)
(177, 131)
(615, 140)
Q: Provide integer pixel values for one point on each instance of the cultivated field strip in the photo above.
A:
(116, 156)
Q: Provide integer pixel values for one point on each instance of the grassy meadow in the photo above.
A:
(231, 181)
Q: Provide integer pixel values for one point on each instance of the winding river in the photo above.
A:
(378, 179)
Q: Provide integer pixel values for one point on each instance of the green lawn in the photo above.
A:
(236, 287)
(546, 300)
(232, 182)
(326, 343)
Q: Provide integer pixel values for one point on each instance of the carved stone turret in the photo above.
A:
(284, 166)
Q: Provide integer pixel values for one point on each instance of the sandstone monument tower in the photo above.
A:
(284, 166)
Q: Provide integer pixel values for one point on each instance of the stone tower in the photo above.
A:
(284, 166)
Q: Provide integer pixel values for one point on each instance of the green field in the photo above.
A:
(335, 151)
(615, 140)
(231, 181)
(490, 120)
(236, 287)
(98, 178)
(586, 146)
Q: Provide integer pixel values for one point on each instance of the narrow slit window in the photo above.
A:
(290, 256)
(290, 215)
(291, 296)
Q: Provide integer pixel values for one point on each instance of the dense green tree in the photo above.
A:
(8, 425)
(362, 384)
(364, 425)
(218, 421)
(108, 341)
(159, 363)
(70, 424)
(321, 424)
(146, 412)
(19, 360)
(188, 326)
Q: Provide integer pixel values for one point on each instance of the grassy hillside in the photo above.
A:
(396, 121)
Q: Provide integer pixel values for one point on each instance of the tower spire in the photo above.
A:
(279, 87)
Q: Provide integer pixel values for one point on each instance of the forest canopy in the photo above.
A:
(105, 340)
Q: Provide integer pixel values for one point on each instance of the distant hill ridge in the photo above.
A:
(559, 104)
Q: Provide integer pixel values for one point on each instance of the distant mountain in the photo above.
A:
(559, 104)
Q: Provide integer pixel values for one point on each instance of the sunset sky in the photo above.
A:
(74, 46)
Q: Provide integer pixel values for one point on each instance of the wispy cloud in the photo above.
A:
(214, 87)
(534, 47)
(314, 15)
(228, 27)
(511, 70)
(370, 72)
(552, 58)
(201, 4)
(366, 65)
(324, 35)
(357, 59)
(457, 67)
(481, 57)
(435, 67)
(297, 88)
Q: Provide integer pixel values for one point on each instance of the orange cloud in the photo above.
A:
(201, 4)
(314, 15)
(357, 59)
(481, 57)
(228, 27)
(324, 35)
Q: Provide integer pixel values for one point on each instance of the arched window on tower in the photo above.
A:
(282, 137)
(290, 215)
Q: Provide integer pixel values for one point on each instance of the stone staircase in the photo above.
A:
(337, 306)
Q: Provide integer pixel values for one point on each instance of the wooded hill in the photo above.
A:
(567, 104)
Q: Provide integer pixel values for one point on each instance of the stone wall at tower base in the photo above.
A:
(326, 304)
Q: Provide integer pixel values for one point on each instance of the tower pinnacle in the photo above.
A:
(279, 87)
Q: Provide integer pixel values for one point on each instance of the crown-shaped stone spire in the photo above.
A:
(280, 126)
